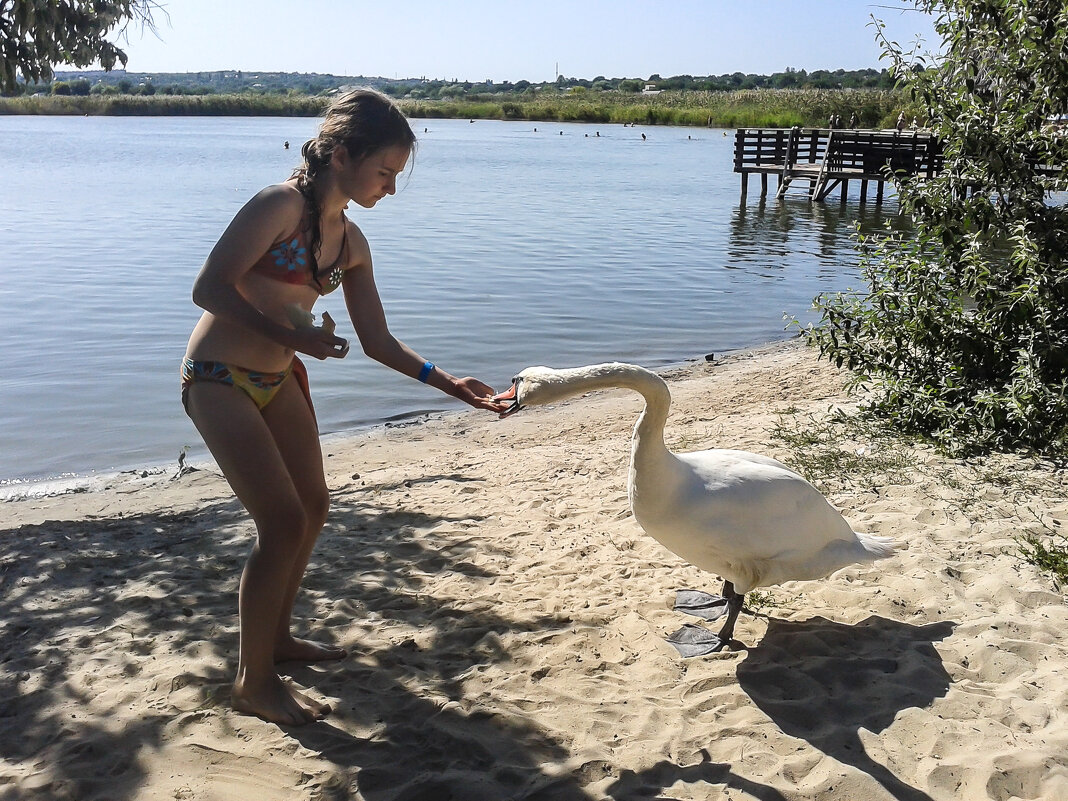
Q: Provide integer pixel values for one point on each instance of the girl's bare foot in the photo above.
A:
(292, 649)
(276, 701)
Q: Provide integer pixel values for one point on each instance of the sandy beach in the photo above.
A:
(506, 621)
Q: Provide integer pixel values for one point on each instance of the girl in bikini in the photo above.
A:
(246, 391)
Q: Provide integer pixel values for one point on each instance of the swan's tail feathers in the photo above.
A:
(835, 555)
(876, 547)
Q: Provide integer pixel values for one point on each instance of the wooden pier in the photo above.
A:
(830, 157)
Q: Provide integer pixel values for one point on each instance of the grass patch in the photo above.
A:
(842, 450)
(1048, 552)
(759, 601)
(1017, 479)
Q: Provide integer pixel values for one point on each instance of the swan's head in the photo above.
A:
(538, 386)
(528, 389)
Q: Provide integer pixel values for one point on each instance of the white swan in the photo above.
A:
(747, 518)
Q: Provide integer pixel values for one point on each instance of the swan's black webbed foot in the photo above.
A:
(698, 641)
(700, 604)
(693, 640)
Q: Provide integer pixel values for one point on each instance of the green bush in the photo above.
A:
(962, 333)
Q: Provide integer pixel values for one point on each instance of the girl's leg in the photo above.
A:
(292, 424)
(244, 447)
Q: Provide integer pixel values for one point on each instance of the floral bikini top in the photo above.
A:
(289, 260)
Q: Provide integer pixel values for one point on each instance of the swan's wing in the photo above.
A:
(727, 454)
(725, 506)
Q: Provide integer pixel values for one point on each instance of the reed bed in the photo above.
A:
(230, 105)
(740, 109)
(747, 108)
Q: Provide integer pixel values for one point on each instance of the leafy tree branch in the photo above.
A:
(35, 35)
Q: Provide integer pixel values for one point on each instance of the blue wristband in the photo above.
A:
(424, 374)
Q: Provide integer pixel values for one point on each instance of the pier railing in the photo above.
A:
(827, 157)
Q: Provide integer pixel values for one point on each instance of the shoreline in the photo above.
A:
(15, 489)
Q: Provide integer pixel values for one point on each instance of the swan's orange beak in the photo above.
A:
(510, 395)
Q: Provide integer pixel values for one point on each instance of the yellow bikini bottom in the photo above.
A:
(258, 385)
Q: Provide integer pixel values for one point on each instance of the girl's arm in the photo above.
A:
(261, 222)
(369, 321)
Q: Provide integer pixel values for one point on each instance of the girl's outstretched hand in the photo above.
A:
(474, 393)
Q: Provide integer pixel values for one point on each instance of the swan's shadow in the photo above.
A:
(823, 681)
(647, 784)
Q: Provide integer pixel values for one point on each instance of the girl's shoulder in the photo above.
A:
(282, 203)
(269, 215)
(284, 196)
(359, 249)
(279, 209)
(352, 230)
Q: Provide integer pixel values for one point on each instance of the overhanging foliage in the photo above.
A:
(37, 34)
(963, 332)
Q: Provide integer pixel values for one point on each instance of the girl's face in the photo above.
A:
(370, 180)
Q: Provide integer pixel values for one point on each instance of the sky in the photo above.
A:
(511, 40)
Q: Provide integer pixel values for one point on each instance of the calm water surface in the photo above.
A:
(506, 246)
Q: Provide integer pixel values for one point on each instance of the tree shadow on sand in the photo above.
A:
(823, 681)
(131, 589)
(72, 589)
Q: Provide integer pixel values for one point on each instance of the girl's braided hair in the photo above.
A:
(363, 122)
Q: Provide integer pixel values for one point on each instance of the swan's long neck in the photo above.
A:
(647, 444)
(648, 441)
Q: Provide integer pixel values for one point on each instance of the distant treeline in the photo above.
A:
(121, 82)
(223, 82)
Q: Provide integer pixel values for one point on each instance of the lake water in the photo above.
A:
(509, 244)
